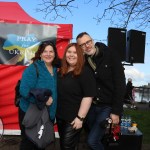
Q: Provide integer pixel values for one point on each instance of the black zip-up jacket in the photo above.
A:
(110, 78)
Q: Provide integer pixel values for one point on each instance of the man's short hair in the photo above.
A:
(81, 34)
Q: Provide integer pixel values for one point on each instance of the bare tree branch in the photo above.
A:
(55, 9)
(119, 13)
(129, 11)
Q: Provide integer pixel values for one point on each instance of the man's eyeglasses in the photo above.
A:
(86, 43)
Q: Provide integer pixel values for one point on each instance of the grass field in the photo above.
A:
(142, 118)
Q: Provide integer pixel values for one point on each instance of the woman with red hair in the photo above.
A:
(76, 88)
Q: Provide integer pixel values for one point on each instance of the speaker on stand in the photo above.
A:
(117, 41)
(135, 51)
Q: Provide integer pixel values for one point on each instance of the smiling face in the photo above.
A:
(87, 45)
(73, 60)
(48, 54)
(71, 56)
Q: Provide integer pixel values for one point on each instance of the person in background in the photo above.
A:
(45, 59)
(110, 79)
(76, 88)
(130, 93)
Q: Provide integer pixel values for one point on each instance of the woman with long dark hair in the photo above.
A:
(45, 59)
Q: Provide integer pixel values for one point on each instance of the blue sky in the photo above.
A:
(82, 20)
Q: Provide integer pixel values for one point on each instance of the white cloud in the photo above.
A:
(138, 77)
(134, 73)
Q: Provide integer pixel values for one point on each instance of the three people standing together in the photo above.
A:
(90, 87)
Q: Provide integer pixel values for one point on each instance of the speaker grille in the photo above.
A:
(135, 52)
(117, 41)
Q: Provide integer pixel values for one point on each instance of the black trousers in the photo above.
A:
(69, 137)
(25, 144)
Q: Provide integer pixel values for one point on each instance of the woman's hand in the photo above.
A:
(76, 123)
(49, 101)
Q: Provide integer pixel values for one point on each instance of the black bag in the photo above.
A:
(112, 135)
(38, 126)
(17, 93)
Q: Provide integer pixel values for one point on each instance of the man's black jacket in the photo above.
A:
(110, 78)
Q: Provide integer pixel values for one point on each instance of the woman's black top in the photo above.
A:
(71, 90)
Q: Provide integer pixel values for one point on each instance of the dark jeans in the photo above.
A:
(25, 144)
(69, 137)
(95, 118)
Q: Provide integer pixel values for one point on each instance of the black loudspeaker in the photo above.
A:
(135, 52)
(117, 41)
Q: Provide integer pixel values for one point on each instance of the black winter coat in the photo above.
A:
(110, 78)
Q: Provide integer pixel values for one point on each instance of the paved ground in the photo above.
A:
(12, 142)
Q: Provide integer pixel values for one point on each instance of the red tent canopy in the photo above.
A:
(12, 12)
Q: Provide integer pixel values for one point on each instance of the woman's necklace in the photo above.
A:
(51, 72)
(50, 69)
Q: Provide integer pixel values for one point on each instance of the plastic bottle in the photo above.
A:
(134, 124)
(129, 121)
(125, 122)
(122, 122)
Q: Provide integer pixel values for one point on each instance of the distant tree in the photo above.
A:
(119, 12)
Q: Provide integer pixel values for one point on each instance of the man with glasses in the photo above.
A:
(110, 80)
